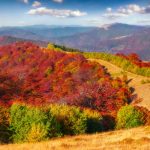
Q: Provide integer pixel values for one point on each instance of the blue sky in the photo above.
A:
(74, 12)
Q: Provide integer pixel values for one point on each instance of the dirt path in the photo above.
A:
(142, 90)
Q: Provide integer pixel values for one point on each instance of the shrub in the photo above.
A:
(53, 47)
(30, 124)
(109, 122)
(67, 49)
(129, 117)
(73, 121)
(4, 125)
(94, 121)
(50, 46)
(37, 132)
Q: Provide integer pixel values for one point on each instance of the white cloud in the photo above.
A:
(58, 1)
(130, 9)
(56, 12)
(109, 9)
(36, 4)
(114, 15)
(126, 11)
(25, 1)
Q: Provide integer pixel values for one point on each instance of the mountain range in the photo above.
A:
(113, 38)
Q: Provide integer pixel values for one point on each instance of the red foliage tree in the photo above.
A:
(44, 76)
(135, 59)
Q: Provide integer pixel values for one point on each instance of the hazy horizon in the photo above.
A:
(73, 25)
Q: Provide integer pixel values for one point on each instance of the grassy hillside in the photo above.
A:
(137, 139)
(125, 64)
(71, 81)
(138, 76)
(140, 90)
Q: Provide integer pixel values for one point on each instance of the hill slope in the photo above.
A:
(95, 39)
(140, 90)
(42, 32)
(4, 40)
(115, 38)
(137, 139)
(58, 77)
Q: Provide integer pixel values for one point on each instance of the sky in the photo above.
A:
(74, 12)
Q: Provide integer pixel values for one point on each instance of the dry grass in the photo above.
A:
(137, 139)
(141, 90)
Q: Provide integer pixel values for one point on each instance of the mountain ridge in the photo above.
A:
(116, 38)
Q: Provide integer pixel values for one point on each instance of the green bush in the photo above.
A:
(33, 124)
(73, 121)
(4, 125)
(37, 132)
(53, 47)
(67, 49)
(94, 121)
(129, 117)
(30, 124)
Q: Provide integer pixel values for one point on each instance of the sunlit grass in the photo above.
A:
(137, 138)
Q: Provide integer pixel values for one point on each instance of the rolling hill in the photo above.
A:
(115, 38)
(92, 40)
(5, 40)
(71, 83)
(135, 82)
(58, 77)
(42, 32)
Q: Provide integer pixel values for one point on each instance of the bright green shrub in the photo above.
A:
(4, 125)
(50, 46)
(30, 124)
(73, 121)
(64, 48)
(37, 132)
(53, 47)
(129, 117)
(94, 121)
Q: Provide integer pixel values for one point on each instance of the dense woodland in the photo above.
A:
(45, 92)
(36, 75)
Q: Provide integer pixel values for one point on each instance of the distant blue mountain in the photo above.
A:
(113, 38)
(45, 32)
